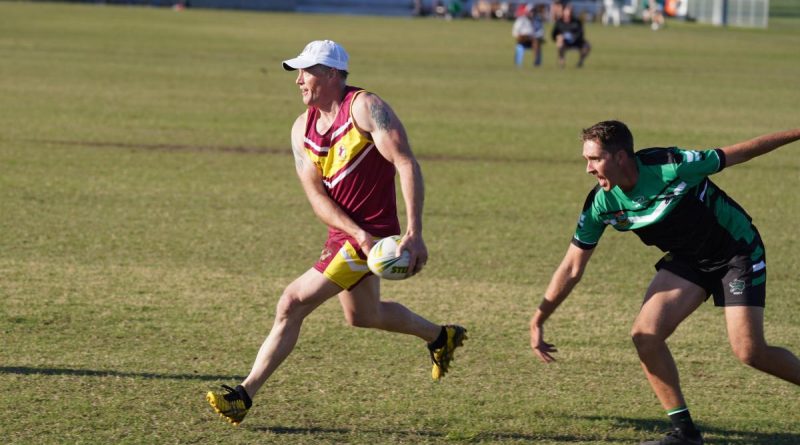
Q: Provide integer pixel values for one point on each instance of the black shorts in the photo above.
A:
(578, 44)
(742, 281)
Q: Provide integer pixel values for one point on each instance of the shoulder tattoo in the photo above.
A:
(381, 115)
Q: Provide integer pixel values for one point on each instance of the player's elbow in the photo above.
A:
(575, 277)
(408, 163)
(570, 276)
(573, 269)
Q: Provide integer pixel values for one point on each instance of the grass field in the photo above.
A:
(150, 218)
(784, 8)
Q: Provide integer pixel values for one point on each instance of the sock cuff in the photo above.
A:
(678, 410)
(245, 397)
(440, 341)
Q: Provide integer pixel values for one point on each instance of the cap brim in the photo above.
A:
(297, 63)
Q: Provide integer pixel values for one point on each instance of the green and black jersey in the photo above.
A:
(675, 207)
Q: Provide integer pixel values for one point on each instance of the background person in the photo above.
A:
(347, 145)
(653, 11)
(568, 34)
(556, 9)
(528, 32)
(612, 12)
(664, 195)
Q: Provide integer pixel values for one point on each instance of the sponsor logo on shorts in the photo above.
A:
(737, 286)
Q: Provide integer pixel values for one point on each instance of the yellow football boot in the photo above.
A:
(230, 406)
(442, 355)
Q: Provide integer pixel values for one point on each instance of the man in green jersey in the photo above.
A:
(664, 195)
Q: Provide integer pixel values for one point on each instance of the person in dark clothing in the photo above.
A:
(713, 250)
(568, 34)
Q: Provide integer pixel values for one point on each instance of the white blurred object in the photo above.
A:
(747, 13)
(612, 12)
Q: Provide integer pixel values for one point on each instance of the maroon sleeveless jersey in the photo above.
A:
(356, 176)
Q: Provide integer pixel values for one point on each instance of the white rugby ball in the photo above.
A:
(383, 262)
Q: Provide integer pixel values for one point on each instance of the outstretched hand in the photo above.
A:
(541, 348)
(417, 251)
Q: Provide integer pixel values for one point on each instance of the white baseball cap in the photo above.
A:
(322, 52)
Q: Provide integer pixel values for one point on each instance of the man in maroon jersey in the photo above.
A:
(347, 145)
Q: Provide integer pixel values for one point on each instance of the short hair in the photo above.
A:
(613, 136)
(342, 73)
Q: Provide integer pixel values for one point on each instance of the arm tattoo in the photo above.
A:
(381, 115)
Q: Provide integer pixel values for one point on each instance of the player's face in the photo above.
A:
(313, 82)
(604, 166)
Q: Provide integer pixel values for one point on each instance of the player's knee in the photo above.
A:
(289, 306)
(749, 353)
(644, 341)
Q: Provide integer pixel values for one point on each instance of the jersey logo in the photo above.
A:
(341, 151)
(621, 220)
(639, 201)
(693, 155)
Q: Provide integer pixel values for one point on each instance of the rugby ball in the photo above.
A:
(383, 262)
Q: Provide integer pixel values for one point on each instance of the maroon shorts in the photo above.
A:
(342, 261)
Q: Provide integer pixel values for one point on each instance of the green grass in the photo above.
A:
(784, 8)
(150, 218)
